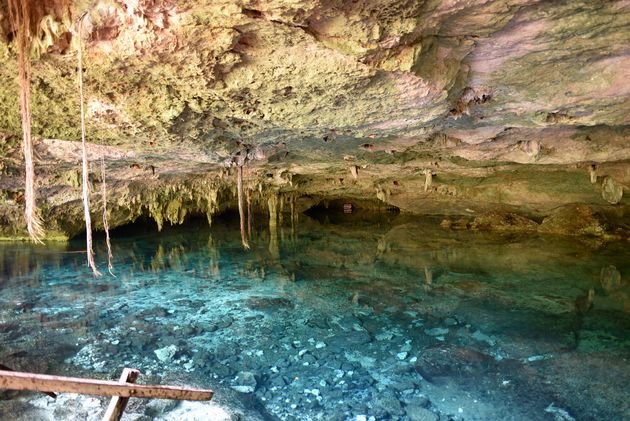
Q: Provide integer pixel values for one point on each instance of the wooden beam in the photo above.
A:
(51, 394)
(47, 383)
(118, 404)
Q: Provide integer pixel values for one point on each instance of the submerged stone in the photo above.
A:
(419, 413)
(166, 354)
(245, 382)
(437, 331)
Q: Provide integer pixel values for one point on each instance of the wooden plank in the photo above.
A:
(118, 404)
(46, 383)
(51, 394)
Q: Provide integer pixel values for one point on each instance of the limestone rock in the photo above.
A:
(499, 221)
(418, 413)
(166, 354)
(158, 407)
(611, 191)
(610, 279)
(386, 403)
(436, 331)
(574, 220)
(245, 382)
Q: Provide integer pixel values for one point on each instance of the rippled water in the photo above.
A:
(336, 317)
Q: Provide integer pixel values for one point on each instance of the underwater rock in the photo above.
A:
(245, 382)
(384, 336)
(278, 381)
(76, 409)
(482, 337)
(349, 339)
(436, 331)
(318, 322)
(444, 361)
(158, 407)
(202, 358)
(450, 321)
(225, 322)
(402, 355)
(611, 191)
(187, 410)
(559, 414)
(418, 413)
(418, 401)
(166, 354)
(269, 303)
(387, 403)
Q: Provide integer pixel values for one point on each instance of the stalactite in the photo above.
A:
(86, 187)
(354, 170)
(212, 204)
(241, 210)
(592, 172)
(110, 266)
(20, 16)
(428, 179)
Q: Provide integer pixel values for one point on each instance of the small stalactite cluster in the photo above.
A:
(174, 202)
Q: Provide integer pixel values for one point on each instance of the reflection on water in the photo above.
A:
(337, 317)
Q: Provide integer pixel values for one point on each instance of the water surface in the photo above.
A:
(336, 317)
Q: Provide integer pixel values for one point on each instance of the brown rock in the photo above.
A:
(499, 221)
(611, 191)
(610, 278)
(574, 220)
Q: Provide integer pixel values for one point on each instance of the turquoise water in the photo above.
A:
(344, 317)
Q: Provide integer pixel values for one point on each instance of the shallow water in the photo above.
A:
(336, 317)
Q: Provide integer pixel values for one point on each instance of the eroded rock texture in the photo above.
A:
(519, 106)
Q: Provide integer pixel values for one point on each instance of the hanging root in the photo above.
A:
(86, 186)
(105, 223)
(241, 210)
(20, 17)
(249, 213)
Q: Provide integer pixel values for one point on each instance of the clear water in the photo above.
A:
(337, 317)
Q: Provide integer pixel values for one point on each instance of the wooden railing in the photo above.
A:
(120, 391)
